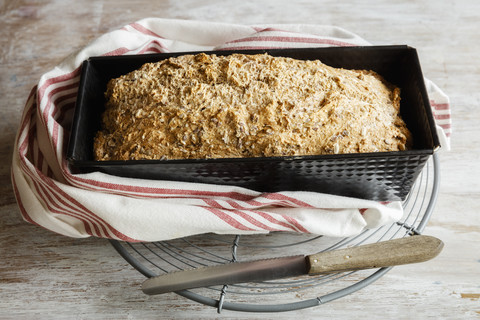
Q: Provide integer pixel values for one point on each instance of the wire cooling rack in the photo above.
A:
(157, 258)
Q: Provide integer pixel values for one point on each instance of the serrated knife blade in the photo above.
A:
(382, 254)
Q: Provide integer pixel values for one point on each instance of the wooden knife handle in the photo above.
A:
(407, 250)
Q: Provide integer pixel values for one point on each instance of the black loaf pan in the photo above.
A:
(383, 176)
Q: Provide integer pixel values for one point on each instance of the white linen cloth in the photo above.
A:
(101, 205)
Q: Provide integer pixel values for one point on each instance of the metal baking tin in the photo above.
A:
(383, 176)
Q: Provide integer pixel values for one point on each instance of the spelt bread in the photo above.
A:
(209, 106)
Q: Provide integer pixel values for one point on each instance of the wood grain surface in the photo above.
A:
(48, 276)
(377, 255)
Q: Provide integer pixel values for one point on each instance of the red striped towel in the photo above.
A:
(97, 204)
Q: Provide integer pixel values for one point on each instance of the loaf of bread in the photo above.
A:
(208, 106)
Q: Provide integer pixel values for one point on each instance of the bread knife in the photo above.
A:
(412, 249)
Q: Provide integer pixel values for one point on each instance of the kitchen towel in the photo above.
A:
(106, 206)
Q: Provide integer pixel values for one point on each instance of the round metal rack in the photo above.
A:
(157, 258)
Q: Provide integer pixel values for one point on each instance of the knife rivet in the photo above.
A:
(347, 257)
(315, 260)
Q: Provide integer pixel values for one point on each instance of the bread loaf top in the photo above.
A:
(209, 106)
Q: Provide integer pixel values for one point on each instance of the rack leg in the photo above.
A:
(223, 293)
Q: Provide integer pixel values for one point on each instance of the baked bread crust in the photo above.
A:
(209, 106)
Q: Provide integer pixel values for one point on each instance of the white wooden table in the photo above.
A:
(44, 275)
